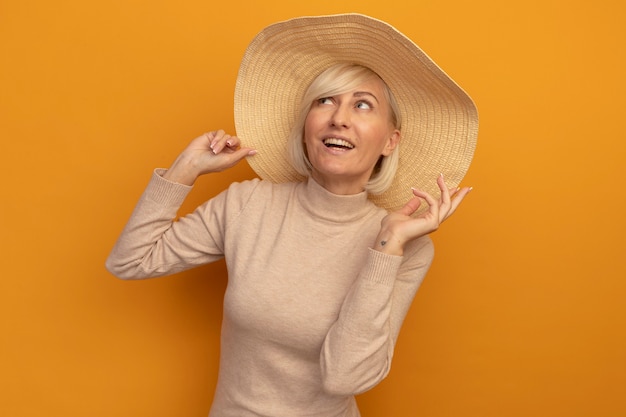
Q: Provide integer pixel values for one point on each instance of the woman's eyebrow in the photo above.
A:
(365, 93)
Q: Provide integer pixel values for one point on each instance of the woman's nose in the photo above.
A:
(340, 117)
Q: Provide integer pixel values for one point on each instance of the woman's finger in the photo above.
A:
(458, 198)
(223, 140)
(233, 143)
(433, 205)
(445, 197)
(411, 206)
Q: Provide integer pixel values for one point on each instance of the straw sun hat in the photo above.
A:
(439, 120)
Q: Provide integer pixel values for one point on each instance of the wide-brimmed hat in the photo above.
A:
(439, 120)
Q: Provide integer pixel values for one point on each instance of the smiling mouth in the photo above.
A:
(337, 143)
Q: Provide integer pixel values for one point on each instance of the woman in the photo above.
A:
(320, 277)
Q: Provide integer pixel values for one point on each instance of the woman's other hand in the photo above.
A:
(399, 227)
(212, 152)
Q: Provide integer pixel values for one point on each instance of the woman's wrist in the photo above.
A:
(388, 244)
(182, 171)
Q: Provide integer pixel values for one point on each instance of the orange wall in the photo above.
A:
(523, 313)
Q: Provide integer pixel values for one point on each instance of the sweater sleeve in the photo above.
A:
(358, 349)
(153, 243)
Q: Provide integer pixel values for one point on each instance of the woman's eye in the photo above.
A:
(324, 100)
(363, 105)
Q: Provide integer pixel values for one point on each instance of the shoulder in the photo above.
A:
(255, 193)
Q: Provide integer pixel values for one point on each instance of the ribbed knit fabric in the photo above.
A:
(311, 312)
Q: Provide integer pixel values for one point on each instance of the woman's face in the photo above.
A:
(346, 134)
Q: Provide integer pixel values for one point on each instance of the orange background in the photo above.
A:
(523, 312)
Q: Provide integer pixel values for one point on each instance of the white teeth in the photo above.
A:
(338, 142)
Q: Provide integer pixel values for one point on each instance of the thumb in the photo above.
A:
(239, 154)
(411, 206)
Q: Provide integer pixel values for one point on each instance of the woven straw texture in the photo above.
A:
(439, 120)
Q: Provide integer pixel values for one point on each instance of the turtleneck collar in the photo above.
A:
(321, 203)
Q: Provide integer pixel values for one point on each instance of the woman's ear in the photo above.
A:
(392, 142)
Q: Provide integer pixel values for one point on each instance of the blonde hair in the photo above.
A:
(336, 80)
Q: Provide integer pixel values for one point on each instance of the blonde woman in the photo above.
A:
(354, 133)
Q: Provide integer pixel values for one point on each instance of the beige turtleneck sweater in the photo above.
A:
(311, 312)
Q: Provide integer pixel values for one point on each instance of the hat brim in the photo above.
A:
(439, 120)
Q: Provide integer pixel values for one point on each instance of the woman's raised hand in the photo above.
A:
(211, 152)
(399, 227)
